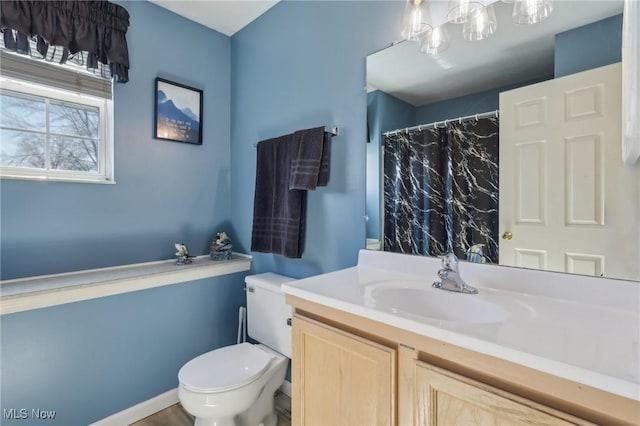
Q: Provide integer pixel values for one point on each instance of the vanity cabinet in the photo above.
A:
(340, 378)
(443, 398)
(350, 370)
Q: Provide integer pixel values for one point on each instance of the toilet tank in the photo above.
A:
(267, 312)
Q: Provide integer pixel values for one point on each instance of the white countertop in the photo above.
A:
(579, 328)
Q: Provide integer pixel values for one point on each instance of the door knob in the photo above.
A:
(507, 235)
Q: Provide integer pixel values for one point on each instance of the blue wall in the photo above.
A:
(485, 101)
(590, 46)
(165, 191)
(384, 113)
(300, 65)
(90, 359)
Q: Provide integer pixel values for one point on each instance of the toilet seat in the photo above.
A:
(224, 369)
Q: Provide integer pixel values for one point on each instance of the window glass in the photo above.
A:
(22, 112)
(74, 154)
(53, 134)
(22, 149)
(73, 120)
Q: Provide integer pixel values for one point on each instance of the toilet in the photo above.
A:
(235, 385)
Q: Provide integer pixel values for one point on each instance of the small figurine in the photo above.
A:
(221, 247)
(182, 254)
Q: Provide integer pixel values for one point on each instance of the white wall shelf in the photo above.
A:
(24, 294)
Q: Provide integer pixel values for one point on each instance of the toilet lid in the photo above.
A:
(224, 368)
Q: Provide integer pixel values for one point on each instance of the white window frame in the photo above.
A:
(105, 172)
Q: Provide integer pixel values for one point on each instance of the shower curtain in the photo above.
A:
(441, 189)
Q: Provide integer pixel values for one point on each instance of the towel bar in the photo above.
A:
(335, 131)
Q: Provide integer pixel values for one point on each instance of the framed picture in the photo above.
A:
(178, 112)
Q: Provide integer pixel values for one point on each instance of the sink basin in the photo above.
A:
(421, 300)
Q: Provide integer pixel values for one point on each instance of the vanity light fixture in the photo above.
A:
(417, 20)
(459, 11)
(435, 42)
(477, 17)
(531, 11)
(480, 25)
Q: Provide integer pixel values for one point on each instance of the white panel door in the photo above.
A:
(566, 198)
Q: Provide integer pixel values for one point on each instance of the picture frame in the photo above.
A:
(177, 112)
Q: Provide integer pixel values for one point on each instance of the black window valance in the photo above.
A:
(96, 27)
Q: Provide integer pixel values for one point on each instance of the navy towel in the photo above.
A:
(310, 162)
(278, 213)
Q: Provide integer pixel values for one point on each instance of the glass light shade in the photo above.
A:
(531, 11)
(435, 42)
(481, 24)
(417, 19)
(459, 11)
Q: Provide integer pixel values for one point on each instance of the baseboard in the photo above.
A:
(142, 410)
(153, 405)
(286, 388)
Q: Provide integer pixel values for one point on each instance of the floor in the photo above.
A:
(176, 416)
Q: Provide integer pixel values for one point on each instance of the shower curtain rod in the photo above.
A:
(443, 122)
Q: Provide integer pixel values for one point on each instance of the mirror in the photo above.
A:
(407, 88)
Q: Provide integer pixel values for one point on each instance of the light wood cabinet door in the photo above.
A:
(339, 378)
(443, 398)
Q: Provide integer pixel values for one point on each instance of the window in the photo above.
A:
(48, 131)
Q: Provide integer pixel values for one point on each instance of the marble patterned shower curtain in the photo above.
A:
(441, 189)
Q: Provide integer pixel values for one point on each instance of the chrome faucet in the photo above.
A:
(450, 276)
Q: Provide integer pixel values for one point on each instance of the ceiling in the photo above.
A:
(225, 16)
(515, 53)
